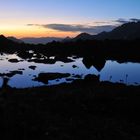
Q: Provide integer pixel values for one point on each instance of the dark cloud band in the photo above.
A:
(86, 28)
(77, 28)
(123, 21)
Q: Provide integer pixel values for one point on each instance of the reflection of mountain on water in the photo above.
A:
(98, 63)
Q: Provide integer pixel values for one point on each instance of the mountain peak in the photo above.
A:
(40, 40)
(127, 31)
(14, 39)
(2, 36)
(67, 39)
(83, 36)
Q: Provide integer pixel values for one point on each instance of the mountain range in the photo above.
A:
(127, 31)
(14, 39)
(41, 40)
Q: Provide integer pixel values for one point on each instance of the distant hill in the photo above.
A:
(128, 31)
(14, 39)
(4, 40)
(41, 40)
(7, 44)
(67, 39)
(83, 36)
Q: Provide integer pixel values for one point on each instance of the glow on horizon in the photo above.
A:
(16, 14)
(21, 31)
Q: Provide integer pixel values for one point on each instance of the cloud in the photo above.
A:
(77, 27)
(89, 28)
(135, 20)
(121, 21)
(33, 25)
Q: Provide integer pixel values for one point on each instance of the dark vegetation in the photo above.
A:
(85, 109)
(120, 50)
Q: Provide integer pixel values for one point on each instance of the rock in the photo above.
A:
(13, 60)
(74, 66)
(63, 59)
(44, 61)
(32, 67)
(44, 77)
(11, 73)
(77, 76)
(69, 79)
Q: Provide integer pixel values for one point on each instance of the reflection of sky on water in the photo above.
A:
(112, 71)
(119, 72)
(1, 82)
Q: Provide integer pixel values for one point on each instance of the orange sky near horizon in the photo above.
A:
(20, 31)
(62, 18)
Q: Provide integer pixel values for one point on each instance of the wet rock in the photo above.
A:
(21, 69)
(44, 77)
(74, 66)
(69, 79)
(50, 61)
(11, 73)
(25, 55)
(77, 76)
(13, 60)
(32, 67)
(44, 61)
(63, 59)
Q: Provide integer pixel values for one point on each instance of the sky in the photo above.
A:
(61, 18)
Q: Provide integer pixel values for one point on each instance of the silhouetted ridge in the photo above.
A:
(4, 40)
(67, 39)
(128, 31)
(83, 36)
(14, 39)
(8, 45)
(2, 37)
(40, 40)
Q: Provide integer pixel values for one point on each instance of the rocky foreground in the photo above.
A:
(85, 109)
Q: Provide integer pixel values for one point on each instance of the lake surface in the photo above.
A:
(128, 73)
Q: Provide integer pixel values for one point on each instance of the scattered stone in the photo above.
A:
(44, 77)
(21, 69)
(77, 76)
(63, 59)
(44, 61)
(11, 73)
(13, 60)
(74, 66)
(69, 79)
(32, 67)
